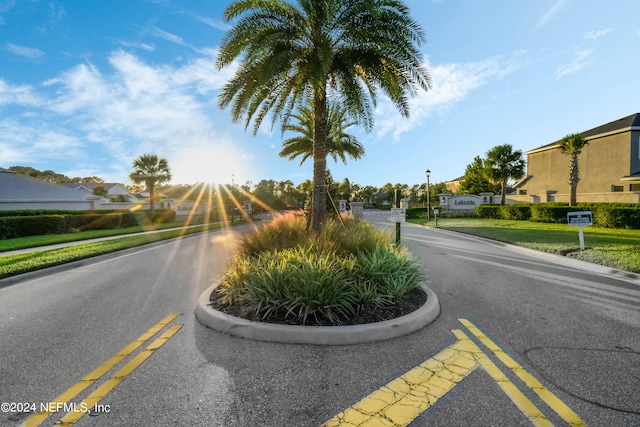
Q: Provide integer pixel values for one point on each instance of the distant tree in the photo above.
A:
(100, 190)
(47, 175)
(475, 180)
(339, 143)
(503, 164)
(572, 145)
(150, 170)
(89, 179)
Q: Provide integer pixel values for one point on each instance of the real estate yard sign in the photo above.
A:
(578, 219)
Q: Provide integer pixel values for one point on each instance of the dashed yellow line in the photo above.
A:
(104, 389)
(37, 419)
(547, 396)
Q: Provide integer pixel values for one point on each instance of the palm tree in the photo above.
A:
(315, 50)
(151, 171)
(339, 143)
(502, 164)
(572, 145)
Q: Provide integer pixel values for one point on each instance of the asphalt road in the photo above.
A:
(573, 327)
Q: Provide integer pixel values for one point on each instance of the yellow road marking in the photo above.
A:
(96, 374)
(104, 389)
(516, 396)
(402, 400)
(547, 396)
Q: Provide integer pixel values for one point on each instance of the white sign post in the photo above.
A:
(579, 219)
(398, 215)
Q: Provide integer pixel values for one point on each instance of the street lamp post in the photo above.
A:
(428, 202)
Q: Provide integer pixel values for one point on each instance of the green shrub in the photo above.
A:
(21, 226)
(551, 212)
(417, 212)
(95, 221)
(617, 217)
(282, 271)
(516, 211)
(488, 211)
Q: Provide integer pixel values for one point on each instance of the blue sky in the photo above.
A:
(87, 86)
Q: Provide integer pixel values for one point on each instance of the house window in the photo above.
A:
(522, 192)
(617, 188)
(634, 187)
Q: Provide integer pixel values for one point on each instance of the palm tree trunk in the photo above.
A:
(319, 205)
(574, 177)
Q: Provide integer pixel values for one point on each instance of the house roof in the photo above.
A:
(15, 186)
(631, 122)
(90, 185)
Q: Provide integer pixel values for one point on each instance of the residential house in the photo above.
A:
(23, 192)
(609, 167)
(115, 191)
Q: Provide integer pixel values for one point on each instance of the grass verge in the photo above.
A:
(615, 248)
(12, 265)
(52, 239)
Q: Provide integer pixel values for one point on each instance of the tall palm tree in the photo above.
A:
(339, 143)
(502, 164)
(315, 49)
(151, 171)
(572, 145)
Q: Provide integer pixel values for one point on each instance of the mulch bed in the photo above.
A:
(411, 302)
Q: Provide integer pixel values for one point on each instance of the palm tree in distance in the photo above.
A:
(572, 145)
(503, 164)
(339, 143)
(151, 171)
(314, 50)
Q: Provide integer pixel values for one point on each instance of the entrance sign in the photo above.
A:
(578, 219)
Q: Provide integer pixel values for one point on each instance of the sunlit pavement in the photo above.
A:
(572, 330)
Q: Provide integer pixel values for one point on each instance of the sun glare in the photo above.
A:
(210, 165)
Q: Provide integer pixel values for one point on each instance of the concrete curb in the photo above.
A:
(319, 335)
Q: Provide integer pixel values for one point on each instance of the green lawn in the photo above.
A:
(611, 247)
(11, 265)
(52, 239)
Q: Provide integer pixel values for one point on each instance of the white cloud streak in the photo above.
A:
(452, 83)
(581, 59)
(26, 52)
(549, 14)
(597, 34)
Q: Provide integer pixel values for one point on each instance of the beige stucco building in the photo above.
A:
(609, 167)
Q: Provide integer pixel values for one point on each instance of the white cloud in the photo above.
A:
(549, 14)
(20, 95)
(452, 83)
(26, 52)
(597, 34)
(581, 60)
(137, 107)
(168, 36)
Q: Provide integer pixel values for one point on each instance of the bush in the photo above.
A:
(95, 221)
(22, 226)
(488, 211)
(282, 271)
(417, 212)
(517, 211)
(617, 217)
(551, 212)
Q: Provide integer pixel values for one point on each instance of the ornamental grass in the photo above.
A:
(284, 272)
